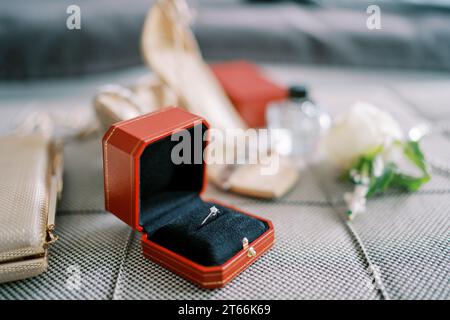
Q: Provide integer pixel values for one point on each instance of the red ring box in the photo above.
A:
(123, 147)
(249, 90)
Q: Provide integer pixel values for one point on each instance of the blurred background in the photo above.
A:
(414, 34)
(402, 67)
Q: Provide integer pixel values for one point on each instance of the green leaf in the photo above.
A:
(412, 151)
(409, 183)
(382, 183)
(392, 177)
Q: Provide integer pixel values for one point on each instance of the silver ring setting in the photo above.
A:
(213, 211)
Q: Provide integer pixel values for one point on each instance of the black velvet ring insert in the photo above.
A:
(172, 211)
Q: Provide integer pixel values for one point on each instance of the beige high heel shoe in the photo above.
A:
(170, 49)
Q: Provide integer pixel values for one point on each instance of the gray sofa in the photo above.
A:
(331, 33)
(397, 250)
(317, 254)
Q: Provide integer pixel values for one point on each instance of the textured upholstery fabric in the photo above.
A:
(316, 253)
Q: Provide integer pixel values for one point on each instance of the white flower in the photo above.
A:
(378, 166)
(358, 131)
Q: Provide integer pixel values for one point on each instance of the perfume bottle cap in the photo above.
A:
(298, 92)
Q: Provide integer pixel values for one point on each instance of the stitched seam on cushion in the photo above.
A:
(126, 253)
(379, 286)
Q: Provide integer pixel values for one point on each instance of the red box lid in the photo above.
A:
(248, 89)
(123, 145)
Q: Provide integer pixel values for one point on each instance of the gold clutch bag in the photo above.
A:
(30, 182)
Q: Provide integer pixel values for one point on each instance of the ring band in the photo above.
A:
(213, 211)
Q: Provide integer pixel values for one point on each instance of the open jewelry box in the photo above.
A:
(204, 241)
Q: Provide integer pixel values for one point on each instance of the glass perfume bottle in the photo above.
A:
(298, 125)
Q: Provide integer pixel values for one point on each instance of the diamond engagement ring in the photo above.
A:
(213, 211)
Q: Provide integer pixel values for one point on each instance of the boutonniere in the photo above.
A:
(369, 147)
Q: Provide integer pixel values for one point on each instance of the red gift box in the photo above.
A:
(162, 200)
(248, 89)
